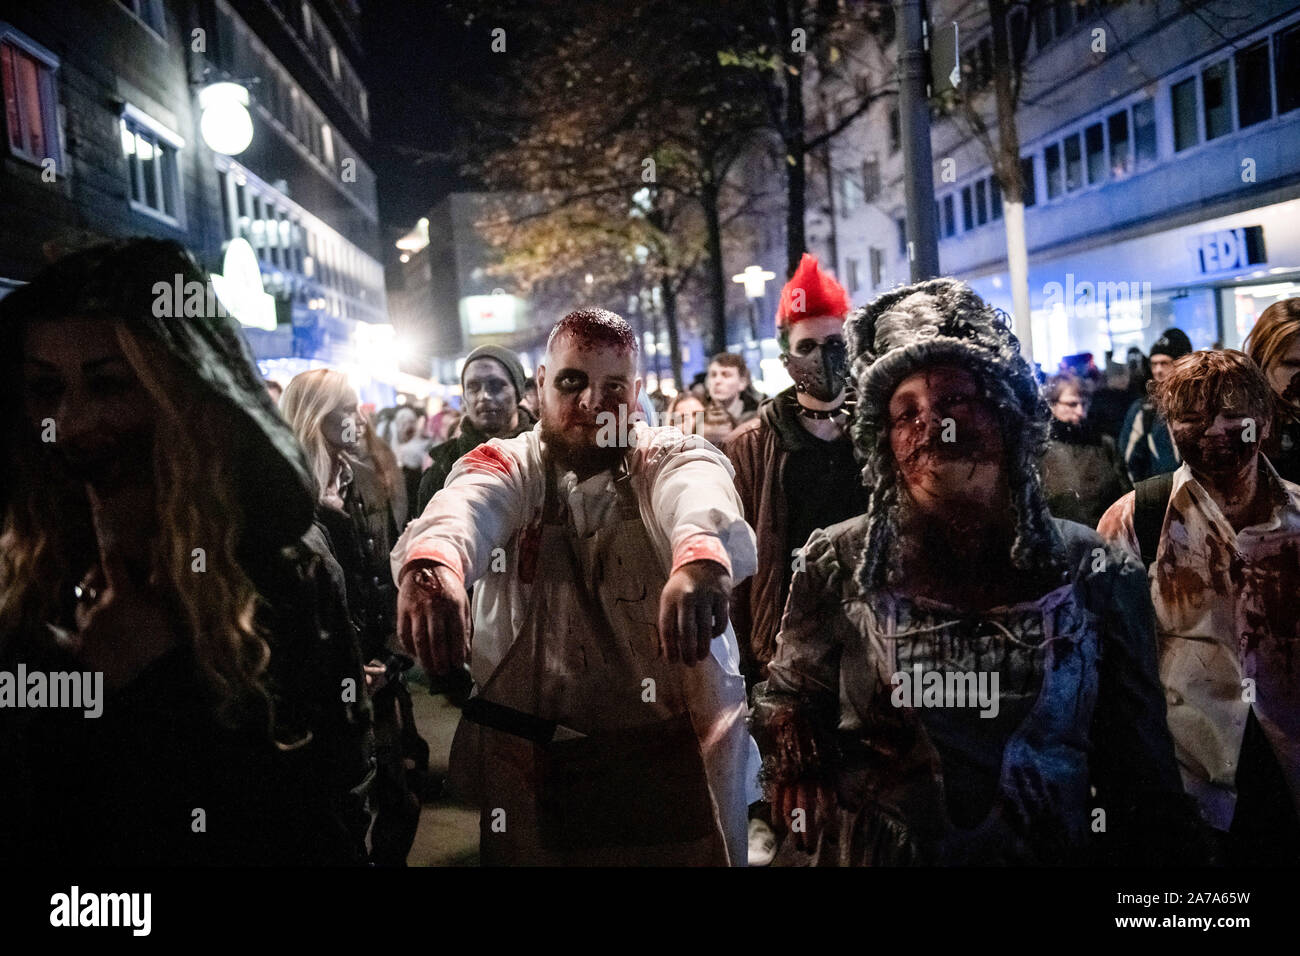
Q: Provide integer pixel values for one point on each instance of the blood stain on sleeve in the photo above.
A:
(489, 459)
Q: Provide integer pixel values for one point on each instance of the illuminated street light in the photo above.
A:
(226, 125)
(754, 279)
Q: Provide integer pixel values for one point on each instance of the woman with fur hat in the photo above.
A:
(957, 672)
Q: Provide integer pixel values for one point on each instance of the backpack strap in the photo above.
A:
(1151, 501)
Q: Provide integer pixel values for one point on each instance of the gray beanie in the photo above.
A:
(508, 360)
(943, 322)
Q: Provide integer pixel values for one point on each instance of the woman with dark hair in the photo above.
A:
(1274, 344)
(157, 529)
(955, 668)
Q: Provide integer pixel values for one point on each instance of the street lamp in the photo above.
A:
(754, 279)
(226, 125)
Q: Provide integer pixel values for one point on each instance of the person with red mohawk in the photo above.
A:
(795, 469)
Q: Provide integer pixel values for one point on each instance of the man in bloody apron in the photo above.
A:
(608, 721)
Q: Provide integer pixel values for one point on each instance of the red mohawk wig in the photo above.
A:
(811, 294)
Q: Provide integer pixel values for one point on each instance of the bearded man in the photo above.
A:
(608, 722)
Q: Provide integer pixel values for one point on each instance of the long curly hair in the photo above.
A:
(943, 321)
(47, 526)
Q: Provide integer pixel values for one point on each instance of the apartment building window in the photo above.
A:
(1094, 146)
(981, 204)
(870, 177)
(900, 225)
(1121, 163)
(1030, 193)
(948, 207)
(1286, 66)
(152, 167)
(1217, 101)
(967, 210)
(877, 267)
(27, 75)
(1254, 92)
(1073, 163)
(895, 131)
(1144, 133)
(995, 199)
(1183, 101)
(1052, 161)
(851, 267)
(150, 13)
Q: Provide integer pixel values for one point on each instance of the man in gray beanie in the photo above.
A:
(492, 387)
(960, 678)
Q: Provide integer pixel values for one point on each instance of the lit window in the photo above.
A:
(28, 80)
(152, 169)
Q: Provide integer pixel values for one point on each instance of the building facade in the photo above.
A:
(1160, 149)
(113, 128)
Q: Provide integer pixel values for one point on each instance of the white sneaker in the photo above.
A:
(762, 843)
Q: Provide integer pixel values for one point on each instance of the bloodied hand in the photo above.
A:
(693, 610)
(433, 617)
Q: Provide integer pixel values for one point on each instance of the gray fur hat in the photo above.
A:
(943, 322)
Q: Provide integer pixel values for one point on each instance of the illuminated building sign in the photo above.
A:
(1229, 249)
(239, 287)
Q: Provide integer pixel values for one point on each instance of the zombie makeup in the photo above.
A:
(945, 438)
(578, 398)
(490, 398)
(1217, 447)
(341, 428)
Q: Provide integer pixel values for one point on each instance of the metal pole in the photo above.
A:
(914, 122)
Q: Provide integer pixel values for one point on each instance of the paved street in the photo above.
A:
(448, 834)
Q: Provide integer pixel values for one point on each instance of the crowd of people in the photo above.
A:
(923, 606)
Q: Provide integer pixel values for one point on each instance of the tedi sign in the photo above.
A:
(1229, 249)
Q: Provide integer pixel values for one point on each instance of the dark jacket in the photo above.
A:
(760, 450)
(454, 449)
(1099, 722)
(158, 778)
(1145, 443)
(716, 423)
(1082, 473)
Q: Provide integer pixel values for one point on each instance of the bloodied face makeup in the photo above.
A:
(85, 400)
(945, 440)
(1220, 446)
(582, 388)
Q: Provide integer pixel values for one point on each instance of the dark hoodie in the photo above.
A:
(454, 449)
(790, 482)
(127, 787)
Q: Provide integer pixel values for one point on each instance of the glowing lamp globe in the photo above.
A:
(225, 123)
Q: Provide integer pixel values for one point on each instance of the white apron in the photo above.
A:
(658, 778)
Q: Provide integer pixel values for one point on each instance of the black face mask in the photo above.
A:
(823, 372)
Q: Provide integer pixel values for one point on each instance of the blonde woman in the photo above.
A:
(157, 531)
(321, 408)
(1274, 344)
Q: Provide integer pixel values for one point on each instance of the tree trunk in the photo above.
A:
(1006, 166)
(674, 338)
(717, 273)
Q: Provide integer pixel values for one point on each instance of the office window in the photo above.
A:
(1052, 160)
(1183, 101)
(1030, 194)
(1254, 91)
(1094, 145)
(981, 204)
(949, 217)
(995, 198)
(870, 177)
(1064, 16)
(151, 168)
(1073, 163)
(1043, 25)
(1144, 133)
(1218, 106)
(1286, 67)
(1120, 161)
(877, 267)
(851, 267)
(901, 225)
(150, 11)
(30, 110)
(967, 210)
